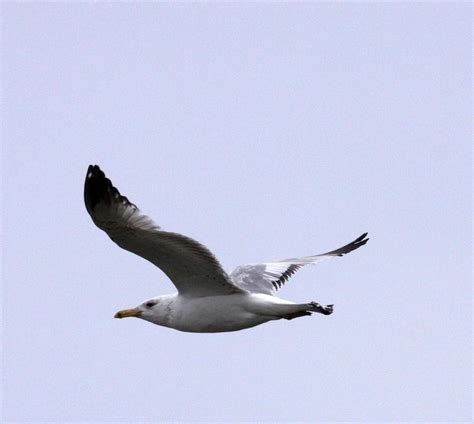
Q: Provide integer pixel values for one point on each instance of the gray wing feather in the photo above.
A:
(192, 268)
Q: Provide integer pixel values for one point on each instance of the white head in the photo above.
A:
(156, 310)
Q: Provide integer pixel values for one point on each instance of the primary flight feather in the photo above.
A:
(208, 299)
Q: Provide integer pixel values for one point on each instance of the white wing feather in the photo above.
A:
(269, 277)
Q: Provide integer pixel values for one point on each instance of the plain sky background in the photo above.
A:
(264, 131)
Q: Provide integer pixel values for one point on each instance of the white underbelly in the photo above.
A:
(217, 314)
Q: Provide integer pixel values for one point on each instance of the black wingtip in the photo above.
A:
(358, 242)
(95, 187)
(99, 189)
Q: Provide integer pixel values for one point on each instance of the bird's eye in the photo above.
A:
(150, 304)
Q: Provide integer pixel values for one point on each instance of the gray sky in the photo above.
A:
(264, 131)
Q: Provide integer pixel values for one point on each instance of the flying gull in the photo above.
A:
(208, 299)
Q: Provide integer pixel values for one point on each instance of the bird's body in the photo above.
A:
(213, 314)
(208, 300)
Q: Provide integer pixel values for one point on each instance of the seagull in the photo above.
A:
(208, 299)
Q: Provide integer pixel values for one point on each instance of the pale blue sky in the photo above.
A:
(264, 131)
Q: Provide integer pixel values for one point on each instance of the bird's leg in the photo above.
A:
(307, 309)
(325, 310)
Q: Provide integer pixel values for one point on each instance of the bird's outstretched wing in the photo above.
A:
(192, 268)
(268, 277)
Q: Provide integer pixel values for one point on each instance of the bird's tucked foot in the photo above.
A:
(296, 315)
(325, 310)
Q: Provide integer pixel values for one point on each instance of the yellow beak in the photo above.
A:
(133, 312)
